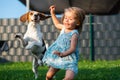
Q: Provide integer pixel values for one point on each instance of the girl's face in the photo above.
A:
(69, 20)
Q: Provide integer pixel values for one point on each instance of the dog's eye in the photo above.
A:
(31, 13)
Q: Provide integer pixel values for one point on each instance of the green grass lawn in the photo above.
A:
(97, 70)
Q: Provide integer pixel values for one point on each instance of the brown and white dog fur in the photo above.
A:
(33, 38)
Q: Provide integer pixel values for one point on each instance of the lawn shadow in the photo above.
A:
(3, 60)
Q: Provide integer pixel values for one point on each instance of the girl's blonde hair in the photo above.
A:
(79, 15)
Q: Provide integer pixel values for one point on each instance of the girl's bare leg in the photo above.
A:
(69, 75)
(51, 72)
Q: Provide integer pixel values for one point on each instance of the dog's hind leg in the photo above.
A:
(35, 67)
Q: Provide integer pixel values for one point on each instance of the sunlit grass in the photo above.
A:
(97, 70)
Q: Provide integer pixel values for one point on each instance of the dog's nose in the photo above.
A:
(36, 15)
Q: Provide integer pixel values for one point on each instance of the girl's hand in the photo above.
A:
(52, 9)
(57, 53)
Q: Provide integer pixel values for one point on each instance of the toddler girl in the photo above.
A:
(64, 52)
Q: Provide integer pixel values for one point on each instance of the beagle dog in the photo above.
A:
(33, 38)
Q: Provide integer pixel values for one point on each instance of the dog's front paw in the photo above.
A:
(18, 35)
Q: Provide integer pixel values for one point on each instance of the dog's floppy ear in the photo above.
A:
(24, 17)
(43, 16)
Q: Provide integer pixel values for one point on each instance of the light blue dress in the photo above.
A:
(62, 44)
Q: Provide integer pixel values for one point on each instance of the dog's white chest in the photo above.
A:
(33, 32)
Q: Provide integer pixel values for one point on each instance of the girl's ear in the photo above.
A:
(43, 16)
(78, 23)
(24, 17)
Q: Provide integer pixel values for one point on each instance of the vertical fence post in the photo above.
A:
(91, 38)
(27, 5)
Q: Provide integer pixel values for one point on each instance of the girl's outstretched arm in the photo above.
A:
(56, 22)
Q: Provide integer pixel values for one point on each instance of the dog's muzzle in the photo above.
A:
(36, 17)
